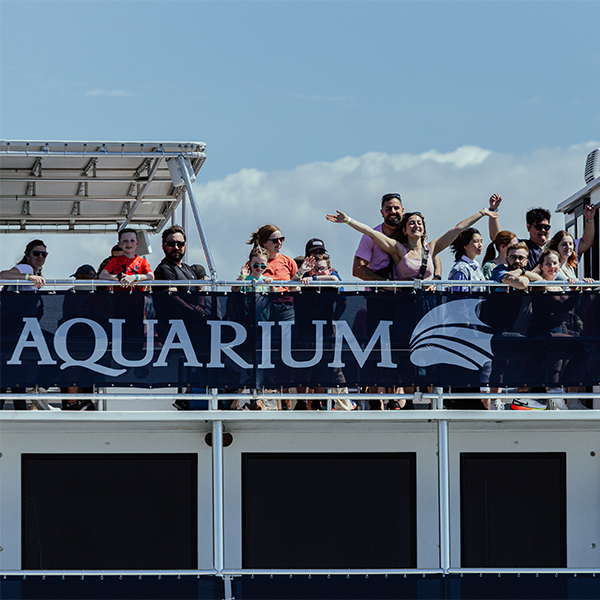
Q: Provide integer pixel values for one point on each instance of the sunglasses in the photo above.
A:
(37, 253)
(542, 227)
(174, 244)
(278, 240)
(259, 266)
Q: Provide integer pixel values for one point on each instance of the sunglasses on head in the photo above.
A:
(542, 227)
(277, 240)
(37, 253)
(258, 266)
(173, 244)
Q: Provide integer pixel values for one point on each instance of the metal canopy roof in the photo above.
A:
(579, 197)
(90, 187)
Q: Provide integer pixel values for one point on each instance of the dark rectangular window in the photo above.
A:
(513, 510)
(109, 511)
(329, 511)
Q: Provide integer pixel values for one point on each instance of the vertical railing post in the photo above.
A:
(444, 493)
(218, 526)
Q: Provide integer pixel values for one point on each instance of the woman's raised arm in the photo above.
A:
(447, 238)
(387, 244)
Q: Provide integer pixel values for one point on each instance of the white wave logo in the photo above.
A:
(452, 334)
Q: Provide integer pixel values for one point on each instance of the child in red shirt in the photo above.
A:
(129, 268)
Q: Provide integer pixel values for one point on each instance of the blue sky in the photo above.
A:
(284, 91)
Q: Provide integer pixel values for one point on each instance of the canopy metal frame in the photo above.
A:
(97, 187)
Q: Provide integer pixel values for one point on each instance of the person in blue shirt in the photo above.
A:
(514, 273)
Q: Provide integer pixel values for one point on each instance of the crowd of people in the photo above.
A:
(398, 249)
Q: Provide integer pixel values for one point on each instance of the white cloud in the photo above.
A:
(446, 187)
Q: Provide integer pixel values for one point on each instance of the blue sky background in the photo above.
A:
(310, 106)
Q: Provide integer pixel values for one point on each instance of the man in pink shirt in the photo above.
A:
(371, 263)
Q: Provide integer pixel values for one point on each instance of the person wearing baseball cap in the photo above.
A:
(315, 246)
(85, 272)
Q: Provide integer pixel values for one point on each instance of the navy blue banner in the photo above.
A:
(307, 338)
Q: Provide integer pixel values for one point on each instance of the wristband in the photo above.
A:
(347, 221)
(589, 220)
(438, 277)
(26, 276)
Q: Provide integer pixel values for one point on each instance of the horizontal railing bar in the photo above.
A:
(301, 572)
(321, 572)
(525, 571)
(95, 572)
(297, 284)
(353, 416)
(293, 396)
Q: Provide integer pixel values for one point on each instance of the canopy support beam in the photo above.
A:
(140, 196)
(196, 213)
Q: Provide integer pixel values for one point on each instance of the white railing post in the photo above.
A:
(444, 494)
(218, 525)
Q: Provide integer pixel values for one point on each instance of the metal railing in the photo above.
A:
(297, 285)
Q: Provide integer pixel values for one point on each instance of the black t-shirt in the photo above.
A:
(534, 254)
(168, 270)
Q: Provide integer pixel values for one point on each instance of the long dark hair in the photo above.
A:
(400, 235)
(25, 260)
(463, 238)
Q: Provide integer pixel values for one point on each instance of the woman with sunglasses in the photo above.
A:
(279, 268)
(412, 255)
(29, 268)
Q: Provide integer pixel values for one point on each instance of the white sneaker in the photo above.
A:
(42, 404)
(528, 404)
(496, 405)
(560, 404)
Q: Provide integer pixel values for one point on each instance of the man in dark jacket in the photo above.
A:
(193, 308)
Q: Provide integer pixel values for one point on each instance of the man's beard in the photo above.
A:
(176, 255)
(392, 220)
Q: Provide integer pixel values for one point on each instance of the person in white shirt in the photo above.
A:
(466, 247)
(29, 268)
